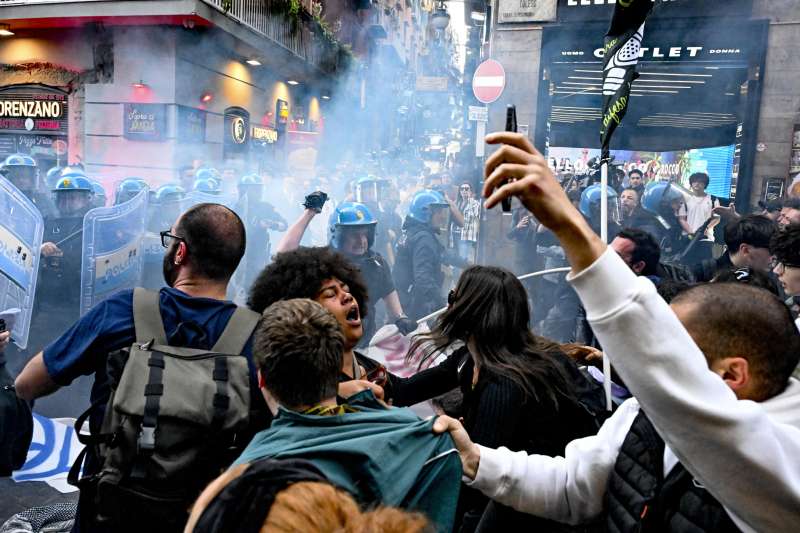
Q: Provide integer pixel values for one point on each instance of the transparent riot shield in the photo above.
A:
(113, 254)
(196, 197)
(21, 229)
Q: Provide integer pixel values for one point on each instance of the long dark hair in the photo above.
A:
(489, 306)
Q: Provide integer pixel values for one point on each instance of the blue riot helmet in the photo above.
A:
(21, 170)
(590, 203)
(251, 180)
(99, 199)
(424, 203)
(169, 194)
(367, 189)
(347, 216)
(52, 177)
(207, 173)
(73, 194)
(207, 186)
(658, 198)
(128, 189)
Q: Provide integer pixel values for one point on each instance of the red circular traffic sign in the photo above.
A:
(489, 81)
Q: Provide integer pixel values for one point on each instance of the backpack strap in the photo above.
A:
(147, 317)
(237, 332)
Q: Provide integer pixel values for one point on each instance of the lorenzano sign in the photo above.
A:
(31, 108)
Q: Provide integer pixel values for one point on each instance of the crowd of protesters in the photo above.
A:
(272, 415)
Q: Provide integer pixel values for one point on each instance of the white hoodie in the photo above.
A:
(746, 454)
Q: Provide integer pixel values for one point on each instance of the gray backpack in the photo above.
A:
(170, 425)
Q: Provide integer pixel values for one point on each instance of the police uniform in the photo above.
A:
(378, 278)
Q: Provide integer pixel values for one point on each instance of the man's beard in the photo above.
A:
(168, 267)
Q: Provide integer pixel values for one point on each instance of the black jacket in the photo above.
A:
(639, 498)
(417, 272)
(16, 425)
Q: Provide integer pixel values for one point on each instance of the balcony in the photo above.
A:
(261, 17)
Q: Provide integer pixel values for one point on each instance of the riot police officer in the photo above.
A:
(207, 186)
(21, 170)
(99, 199)
(663, 200)
(590, 208)
(418, 272)
(128, 189)
(259, 219)
(58, 289)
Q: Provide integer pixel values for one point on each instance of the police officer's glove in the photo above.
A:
(405, 325)
(315, 201)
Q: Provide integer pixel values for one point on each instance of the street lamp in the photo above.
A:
(440, 19)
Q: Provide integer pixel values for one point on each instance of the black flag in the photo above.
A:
(622, 44)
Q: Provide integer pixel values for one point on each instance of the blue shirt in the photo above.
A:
(188, 322)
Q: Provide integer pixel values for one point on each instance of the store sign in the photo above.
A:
(264, 135)
(431, 83)
(191, 125)
(572, 10)
(526, 10)
(144, 122)
(33, 109)
(237, 129)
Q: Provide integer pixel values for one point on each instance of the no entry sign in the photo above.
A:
(489, 81)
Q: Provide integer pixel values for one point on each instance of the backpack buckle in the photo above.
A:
(147, 439)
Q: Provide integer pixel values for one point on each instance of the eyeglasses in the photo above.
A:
(782, 265)
(167, 238)
(465, 187)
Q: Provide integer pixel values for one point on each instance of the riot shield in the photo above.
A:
(112, 257)
(197, 197)
(21, 229)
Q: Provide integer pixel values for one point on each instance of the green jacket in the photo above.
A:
(379, 455)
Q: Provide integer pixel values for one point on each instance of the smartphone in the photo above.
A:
(511, 125)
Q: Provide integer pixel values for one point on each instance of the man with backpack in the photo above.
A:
(174, 395)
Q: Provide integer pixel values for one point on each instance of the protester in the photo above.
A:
(790, 212)
(380, 455)
(204, 247)
(513, 383)
(468, 234)
(748, 276)
(771, 209)
(290, 495)
(634, 216)
(636, 181)
(747, 240)
(785, 246)
(16, 424)
(731, 429)
(351, 231)
(640, 251)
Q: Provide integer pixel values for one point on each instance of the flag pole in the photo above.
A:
(604, 237)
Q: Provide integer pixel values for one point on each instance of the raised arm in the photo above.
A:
(730, 446)
(291, 239)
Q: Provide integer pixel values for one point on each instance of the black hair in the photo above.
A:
(791, 203)
(747, 276)
(298, 347)
(636, 171)
(631, 189)
(215, 237)
(734, 319)
(645, 249)
(490, 309)
(669, 289)
(700, 176)
(755, 230)
(785, 244)
(300, 274)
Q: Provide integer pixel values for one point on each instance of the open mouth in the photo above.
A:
(353, 317)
